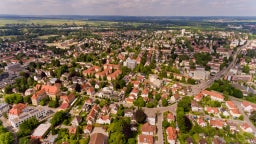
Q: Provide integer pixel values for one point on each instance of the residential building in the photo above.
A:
(171, 135)
(98, 138)
(130, 63)
(41, 131)
(21, 112)
(148, 129)
(145, 139)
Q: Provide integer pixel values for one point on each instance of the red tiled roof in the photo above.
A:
(17, 109)
(213, 94)
(148, 139)
(230, 104)
(148, 128)
(171, 133)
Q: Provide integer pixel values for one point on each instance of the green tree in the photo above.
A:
(164, 102)
(58, 117)
(13, 98)
(6, 138)
(185, 103)
(140, 116)
(165, 123)
(253, 117)
(28, 126)
(139, 102)
(246, 69)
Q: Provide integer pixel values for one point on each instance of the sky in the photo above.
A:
(130, 7)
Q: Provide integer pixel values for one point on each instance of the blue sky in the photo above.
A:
(130, 7)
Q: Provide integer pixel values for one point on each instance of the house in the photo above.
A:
(92, 115)
(135, 92)
(217, 123)
(144, 93)
(72, 130)
(151, 118)
(128, 113)
(76, 121)
(105, 110)
(98, 138)
(130, 63)
(113, 108)
(171, 135)
(248, 107)
(89, 101)
(43, 90)
(103, 119)
(170, 117)
(148, 129)
(41, 131)
(90, 91)
(233, 126)
(198, 97)
(175, 97)
(66, 101)
(38, 96)
(212, 110)
(88, 129)
(230, 105)
(235, 113)
(21, 112)
(201, 122)
(145, 139)
(195, 106)
(114, 75)
(91, 71)
(213, 95)
(246, 128)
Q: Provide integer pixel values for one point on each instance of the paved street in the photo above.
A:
(159, 112)
(203, 85)
(246, 118)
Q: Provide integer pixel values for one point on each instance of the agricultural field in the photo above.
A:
(56, 22)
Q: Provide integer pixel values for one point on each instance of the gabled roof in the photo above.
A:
(148, 128)
(171, 133)
(17, 109)
(148, 139)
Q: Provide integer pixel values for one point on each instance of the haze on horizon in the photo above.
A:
(130, 7)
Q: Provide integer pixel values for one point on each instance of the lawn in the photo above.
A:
(46, 36)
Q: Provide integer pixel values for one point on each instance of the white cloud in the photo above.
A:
(129, 7)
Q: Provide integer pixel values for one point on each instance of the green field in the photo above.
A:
(3, 22)
(46, 36)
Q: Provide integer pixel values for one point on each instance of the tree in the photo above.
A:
(140, 116)
(131, 141)
(28, 126)
(164, 102)
(6, 138)
(185, 103)
(246, 69)
(53, 103)
(13, 98)
(253, 117)
(58, 118)
(8, 89)
(78, 87)
(139, 102)
(165, 123)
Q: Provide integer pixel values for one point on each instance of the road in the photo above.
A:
(237, 102)
(205, 84)
(159, 113)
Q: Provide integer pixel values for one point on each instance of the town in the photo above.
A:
(86, 84)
